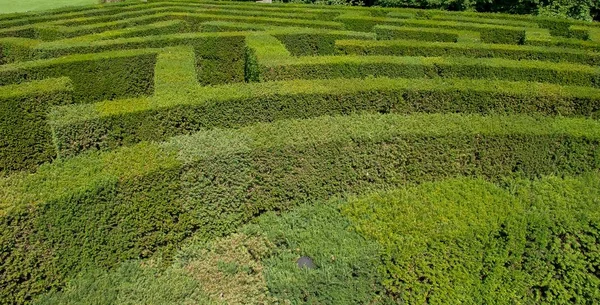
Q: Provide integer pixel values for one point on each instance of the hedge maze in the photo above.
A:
(128, 128)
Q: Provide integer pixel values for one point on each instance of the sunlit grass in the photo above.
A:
(16, 6)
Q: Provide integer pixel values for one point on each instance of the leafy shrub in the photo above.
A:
(347, 264)
(472, 50)
(467, 241)
(215, 181)
(408, 33)
(428, 67)
(116, 124)
(131, 283)
(95, 77)
(25, 137)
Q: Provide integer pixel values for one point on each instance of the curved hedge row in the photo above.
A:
(213, 181)
(113, 124)
(122, 78)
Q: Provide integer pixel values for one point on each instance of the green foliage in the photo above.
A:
(581, 10)
(130, 283)
(221, 61)
(214, 181)
(113, 124)
(407, 33)
(95, 77)
(245, 132)
(327, 67)
(468, 241)
(117, 123)
(347, 263)
(317, 44)
(443, 242)
(489, 33)
(472, 50)
(454, 241)
(25, 137)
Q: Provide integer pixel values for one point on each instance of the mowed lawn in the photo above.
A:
(14, 6)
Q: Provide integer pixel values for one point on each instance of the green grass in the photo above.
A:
(12, 6)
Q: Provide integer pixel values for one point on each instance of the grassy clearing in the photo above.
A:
(12, 6)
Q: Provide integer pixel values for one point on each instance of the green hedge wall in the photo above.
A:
(25, 136)
(214, 181)
(326, 67)
(569, 43)
(489, 33)
(533, 242)
(158, 28)
(221, 61)
(430, 49)
(95, 76)
(317, 43)
(212, 41)
(113, 124)
(385, 32)
(15, 49)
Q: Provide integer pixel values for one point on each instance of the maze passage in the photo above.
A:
(199, 116)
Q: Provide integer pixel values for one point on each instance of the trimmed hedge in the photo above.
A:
(489, 33)
(158, 28)
(54, 31)
(113, 124)
(14, 49)
(325, 67)
(362, 23)
(483, 19)
(221, 62)
(418, 48)
(536, 39)
(210, 41)
(95, 76)
(25, 136)
(566, 28)
(214, 181)
(227, 26)
(472, 242)
(386, 32)
(306, 44)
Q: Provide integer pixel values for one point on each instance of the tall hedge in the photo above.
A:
(429, 67)
(95, 77)
(113, 124)
(214, 181)
(464, 49)
(25, 136)
(469, 241)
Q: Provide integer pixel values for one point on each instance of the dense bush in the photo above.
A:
(471, 242)
(25, 135)
(214, 181)
(119, 123)
(428, 67)
(95, 77)
(474, 50)
(145, 72)
(409, 33)
(346, 263)
(583, 9)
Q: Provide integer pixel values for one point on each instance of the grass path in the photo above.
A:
(13, 6)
